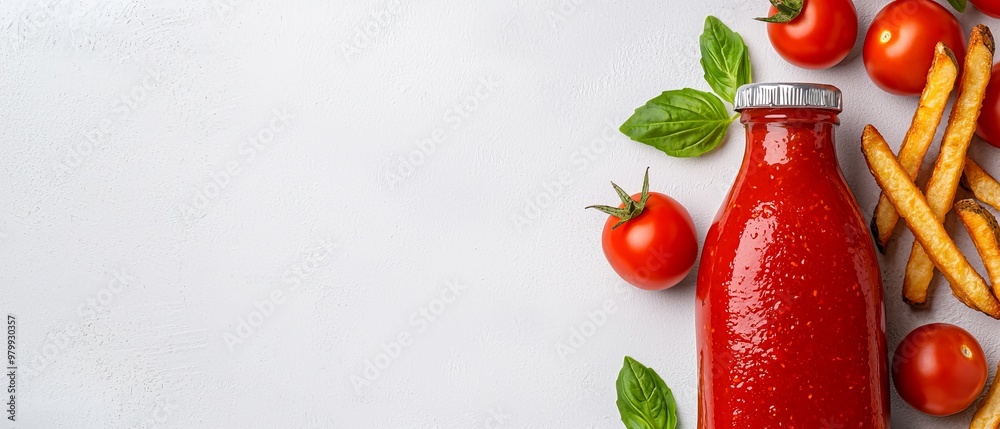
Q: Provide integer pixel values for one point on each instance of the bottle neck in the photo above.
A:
(790, 138)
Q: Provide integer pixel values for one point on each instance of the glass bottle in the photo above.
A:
(790, 317)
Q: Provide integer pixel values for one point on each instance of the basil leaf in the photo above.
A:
(682, 123)
(787, 11)
(959, 5)
(644, 400)
(725, 58)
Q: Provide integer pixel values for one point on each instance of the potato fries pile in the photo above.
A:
(924, 213)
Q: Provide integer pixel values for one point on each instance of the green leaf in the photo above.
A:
(682, 123)
(787, 11)
(725, 58)
(644, 400)
(959, 5)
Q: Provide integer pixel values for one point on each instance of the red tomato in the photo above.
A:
(655, 246)
(820, 37)
(989, 116)
(899, 46)
(989, 7)
(939, 369)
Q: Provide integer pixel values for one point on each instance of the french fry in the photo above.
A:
(933, 99)
(985, 233)
(903, 194)
(988, 414)
(948, 170)
(982, 185)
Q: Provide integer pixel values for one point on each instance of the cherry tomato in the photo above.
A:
(652, 246)
(899, 46)
(989, 7)
(989, 116)
(820, 37)
(939, 369)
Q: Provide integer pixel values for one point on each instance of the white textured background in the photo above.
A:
(169, 165)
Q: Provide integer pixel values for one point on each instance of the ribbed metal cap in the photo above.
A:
(800, 95)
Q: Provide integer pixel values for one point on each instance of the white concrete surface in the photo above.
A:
(227, 213)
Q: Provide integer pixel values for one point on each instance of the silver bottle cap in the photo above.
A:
(794, 95)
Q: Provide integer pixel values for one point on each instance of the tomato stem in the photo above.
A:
(632, 208)
(787, 11)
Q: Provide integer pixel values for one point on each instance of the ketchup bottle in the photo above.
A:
(790, 319)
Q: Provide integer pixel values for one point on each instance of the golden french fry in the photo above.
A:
(982, 185)
(933, 99)
(948, 169)
(966, 283)
(985, 232)
(988, 414)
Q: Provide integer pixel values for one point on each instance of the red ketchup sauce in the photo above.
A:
(790, 319)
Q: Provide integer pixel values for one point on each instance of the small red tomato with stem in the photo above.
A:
(812, 34)
(649, 239)
(989, 116)
(939, 369)
(988, 7)
(899, 46)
